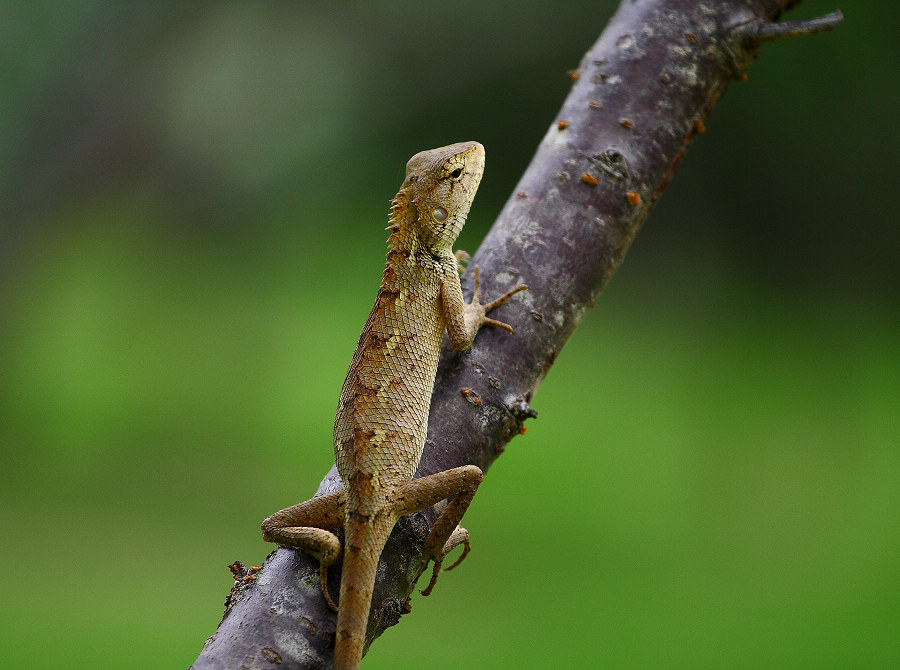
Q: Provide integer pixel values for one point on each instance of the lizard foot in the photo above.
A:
(460, 536)
(434, 575)
(476, 301)
(323, 577)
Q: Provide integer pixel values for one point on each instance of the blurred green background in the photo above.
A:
(192, 206)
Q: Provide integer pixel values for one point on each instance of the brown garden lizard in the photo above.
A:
(382, 414)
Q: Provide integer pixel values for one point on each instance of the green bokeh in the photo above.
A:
(191, 236)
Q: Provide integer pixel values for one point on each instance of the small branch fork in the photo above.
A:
(755, 33)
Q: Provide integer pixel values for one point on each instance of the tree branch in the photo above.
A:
(640, 96)
(755, 33)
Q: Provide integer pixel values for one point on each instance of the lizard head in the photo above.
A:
(437, 193)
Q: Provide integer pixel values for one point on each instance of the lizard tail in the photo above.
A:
(363, 543)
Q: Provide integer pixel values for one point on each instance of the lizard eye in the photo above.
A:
(456, 174)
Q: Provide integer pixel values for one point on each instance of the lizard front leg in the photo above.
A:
(465, 319)
(307, 526)
(458, 485)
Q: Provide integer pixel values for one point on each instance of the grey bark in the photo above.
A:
(639, 98)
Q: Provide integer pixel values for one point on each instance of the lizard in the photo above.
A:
(382, 414)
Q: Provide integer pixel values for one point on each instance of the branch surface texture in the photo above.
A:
(639, 97)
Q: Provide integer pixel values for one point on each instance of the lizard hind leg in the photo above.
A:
(460, 536)
(459, 486)
(307, 526)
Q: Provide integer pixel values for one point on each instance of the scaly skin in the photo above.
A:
(382, 415)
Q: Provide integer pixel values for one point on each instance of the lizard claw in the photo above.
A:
(323, 577)
(497, 324)
(460, 536)
(434, 575)
(462, 260)
(476, 300)
(506, 296)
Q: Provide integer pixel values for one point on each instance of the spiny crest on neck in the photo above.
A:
(403, 214)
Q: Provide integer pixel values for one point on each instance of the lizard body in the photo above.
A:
(382, 415)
